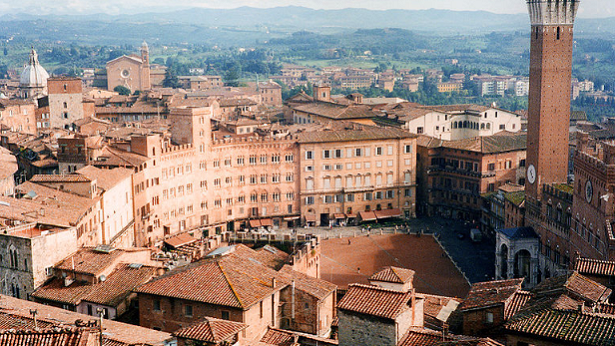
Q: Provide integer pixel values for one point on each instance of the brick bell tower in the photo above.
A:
(549, 94)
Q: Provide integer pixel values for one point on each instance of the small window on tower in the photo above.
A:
(558, 30)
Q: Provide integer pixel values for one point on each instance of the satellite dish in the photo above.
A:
(102, 278)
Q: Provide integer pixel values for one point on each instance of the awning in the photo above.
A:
(340, 216)
(291, 218)
(351, 216)
(367, 216)
(179, 240)
(266, 222)
(310, 217)
(255, 223)
(387, 213)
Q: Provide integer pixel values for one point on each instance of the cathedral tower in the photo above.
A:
(549, 95)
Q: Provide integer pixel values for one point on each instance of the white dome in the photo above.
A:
(33, 75)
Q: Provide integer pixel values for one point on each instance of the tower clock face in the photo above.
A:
(531, 174)
(589, 191)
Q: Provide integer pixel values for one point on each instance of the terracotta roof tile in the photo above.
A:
(89, 261)
(517, 301)
(336, 111)
(574, 283)
(106, 178)
(180, 239)
(127, 334)
(372, 300)
(347, 132)
(212, 330)
(588, 266)
(393, 274)
(566, 326)
(58, 178)
(313, 286)
(485, 294)
(231, 280)
(278, 337)
(417, 336)
(52, 336)
(272, 257)
(109, 292)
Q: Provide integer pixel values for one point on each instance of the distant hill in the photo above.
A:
(247, 25)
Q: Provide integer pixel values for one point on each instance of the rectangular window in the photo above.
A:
(188, 310)
(289, 158)
(390, 150)
(407, 149)
(252, 159)
(309, 155)
(326, 154)
(156, 304)
(378, 151)
(358, 152)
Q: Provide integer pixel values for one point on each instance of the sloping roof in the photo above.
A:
(417, 336)
(89, 261)
(336, 111)
(519, 233)
(180, 239)
(106, 178)
(59, 178)
(569, 326)
(278, 337)
(231, 280)
(8, 163)
(53, 336)
(109, 292)
(576, 284)
(352, 132)
(588, 266)
(313, 286)
(393, 274)
(485, 294)
(490, 144)
(515, 304)
(376, 301)
(116, 331)
(211, 330)
(271, 256)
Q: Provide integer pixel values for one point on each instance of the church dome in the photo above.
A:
(33, 75)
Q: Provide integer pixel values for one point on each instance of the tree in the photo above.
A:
(170, 79)
(122, 90)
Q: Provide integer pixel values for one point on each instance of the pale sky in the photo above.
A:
(588, 8)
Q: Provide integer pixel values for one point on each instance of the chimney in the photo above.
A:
(273, 282)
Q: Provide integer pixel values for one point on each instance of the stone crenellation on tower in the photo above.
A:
(548, 12)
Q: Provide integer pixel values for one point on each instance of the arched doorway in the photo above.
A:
(522, 264)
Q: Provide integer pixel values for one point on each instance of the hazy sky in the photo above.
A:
(588, 8)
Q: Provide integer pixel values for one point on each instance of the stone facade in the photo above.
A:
(27, 254)
(18, 115)
(346, 178)
(453, 175)
(169, 314)
(65, 101)
(132, 72)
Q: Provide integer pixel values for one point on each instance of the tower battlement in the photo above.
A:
(552, 12)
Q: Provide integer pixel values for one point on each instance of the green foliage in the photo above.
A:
(170, 79)
(122, 90)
